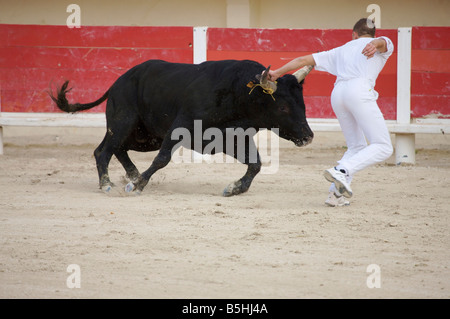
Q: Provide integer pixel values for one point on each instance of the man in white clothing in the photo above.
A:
(356, 66)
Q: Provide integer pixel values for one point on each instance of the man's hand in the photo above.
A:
(369, 50)
(373, 46)
(273, 75)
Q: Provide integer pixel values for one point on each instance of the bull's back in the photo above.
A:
(160, 91)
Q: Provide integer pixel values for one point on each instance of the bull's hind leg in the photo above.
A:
(111, 144)
(253, 161)
(102, 158)
(132, 173)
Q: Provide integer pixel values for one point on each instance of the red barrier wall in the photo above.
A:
(34, 58)
(276, 47)
(430, 71)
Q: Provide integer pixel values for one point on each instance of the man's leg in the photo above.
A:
(371, 122)
(354, 138)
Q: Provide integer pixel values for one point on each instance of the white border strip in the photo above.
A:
(404, 75)
(200, 44)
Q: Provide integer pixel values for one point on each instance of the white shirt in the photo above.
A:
(347, 62)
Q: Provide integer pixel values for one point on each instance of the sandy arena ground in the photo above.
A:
(181, 239)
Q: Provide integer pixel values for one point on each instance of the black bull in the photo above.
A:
(147, 103)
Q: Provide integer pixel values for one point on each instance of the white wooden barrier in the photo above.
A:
(405, 151)
(403, 127)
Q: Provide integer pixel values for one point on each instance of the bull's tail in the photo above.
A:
(64, 105)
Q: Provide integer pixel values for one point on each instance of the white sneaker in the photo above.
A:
(335, 201)
(339, 179)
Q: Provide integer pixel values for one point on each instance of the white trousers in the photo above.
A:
(368, 141)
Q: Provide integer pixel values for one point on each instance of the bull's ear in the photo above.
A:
(302, 73)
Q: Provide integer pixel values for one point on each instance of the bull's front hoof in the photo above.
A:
(234, 188)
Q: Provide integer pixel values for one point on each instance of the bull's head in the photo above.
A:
(287, 111)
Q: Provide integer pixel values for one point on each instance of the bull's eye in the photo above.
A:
(283, 109)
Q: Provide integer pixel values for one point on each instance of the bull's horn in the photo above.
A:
(302, 73)
(265, 83)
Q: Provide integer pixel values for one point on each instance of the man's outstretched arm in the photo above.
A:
(292, 65)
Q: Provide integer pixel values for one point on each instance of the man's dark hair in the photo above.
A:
(365, 26)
